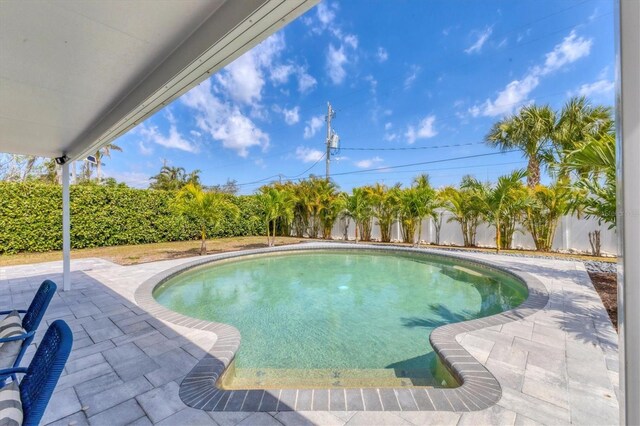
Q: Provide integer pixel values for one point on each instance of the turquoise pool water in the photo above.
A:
(338, 318)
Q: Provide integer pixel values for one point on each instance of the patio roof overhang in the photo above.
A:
(75, 75)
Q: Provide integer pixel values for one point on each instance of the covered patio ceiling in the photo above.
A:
(76, 74)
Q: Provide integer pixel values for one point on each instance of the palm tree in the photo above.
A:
(545, 206)
(467, 206)
(358, 207)
(595, 161)
(174, 178)
(276, 204)
(207, 209)
(530, 131)
(327, 204)
(578, 122)
(103, 152)
(425, 201)
(500, 201)
(385, 205)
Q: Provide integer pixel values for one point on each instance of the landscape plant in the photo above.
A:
(206, 209)
(503, 205)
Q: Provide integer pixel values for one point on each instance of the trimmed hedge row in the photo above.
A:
(31, 217)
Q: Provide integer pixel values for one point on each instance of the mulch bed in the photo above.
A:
(607, 287)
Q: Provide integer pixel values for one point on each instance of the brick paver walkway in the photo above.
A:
(558, 366)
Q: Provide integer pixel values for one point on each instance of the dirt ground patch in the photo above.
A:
(607, 287)
(143, 253)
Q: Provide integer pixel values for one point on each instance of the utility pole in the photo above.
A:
(330, 114)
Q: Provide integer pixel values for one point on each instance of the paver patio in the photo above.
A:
(558, 366)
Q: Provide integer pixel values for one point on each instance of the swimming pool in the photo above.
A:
(338, 318)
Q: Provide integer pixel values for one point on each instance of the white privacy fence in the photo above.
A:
(572, 234)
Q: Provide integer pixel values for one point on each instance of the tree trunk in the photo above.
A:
(498, 236)
(419, 232)
(273, 235)
(268, 236)
(533, 172)
(203, 245)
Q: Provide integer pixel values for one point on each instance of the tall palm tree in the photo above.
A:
(174, 178)
(578, 122)
(103, 152)
(207, 209)
(595, 162)
(530, 131)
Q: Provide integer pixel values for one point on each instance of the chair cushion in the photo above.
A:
(11, 325)
(10, 405)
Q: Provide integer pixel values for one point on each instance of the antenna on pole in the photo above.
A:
(332, 138)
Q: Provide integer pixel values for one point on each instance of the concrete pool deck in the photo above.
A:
(556, 366)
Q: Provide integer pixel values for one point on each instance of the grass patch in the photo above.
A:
(143, 253)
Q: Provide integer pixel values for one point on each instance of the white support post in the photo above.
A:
(628, 197)
(66, 230)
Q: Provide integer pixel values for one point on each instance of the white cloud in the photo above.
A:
(516, 93)
(336, 60)
(280, 73)
(414, 70)
(388, 126)
(313, 126)
(223, 121)
(243, 79)
(366, 163)
(424, 130)
(132, 179)
(372, 81)
(173, 140)
(308, 155)
(291, 116)
(144, 149)
(483, 36)
(325, 15)
(570, 50)
(305, 81)
(600, 87)
(382, 54)
(351, 40)
(195, 133)
(390, 137)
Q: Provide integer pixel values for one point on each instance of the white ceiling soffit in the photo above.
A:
(76, 74)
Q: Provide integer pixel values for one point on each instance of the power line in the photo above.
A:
(422, 163)
(410, 148)
(280, 175)
(302, 173)
(381, 169)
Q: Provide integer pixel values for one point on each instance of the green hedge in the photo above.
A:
(31, 217)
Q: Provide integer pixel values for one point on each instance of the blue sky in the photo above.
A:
(400, 74)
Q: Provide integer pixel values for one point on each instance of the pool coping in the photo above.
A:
(479, 389)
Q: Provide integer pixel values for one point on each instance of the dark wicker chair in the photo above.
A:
(31, 319)
(42, 375)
